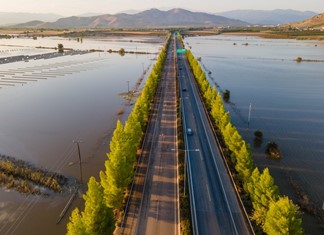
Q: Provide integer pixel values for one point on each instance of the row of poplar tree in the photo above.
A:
(107, 195)
(274, 213)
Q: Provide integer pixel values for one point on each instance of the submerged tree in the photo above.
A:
(121, 51)
(60, 48)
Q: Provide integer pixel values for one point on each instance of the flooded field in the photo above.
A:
(287, 101)
(48, 103)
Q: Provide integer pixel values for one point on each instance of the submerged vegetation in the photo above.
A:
(226, 95)
(273, 150)
(25, 178)
(258, 138)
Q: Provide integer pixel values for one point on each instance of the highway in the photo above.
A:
(159, 212)
(215, 208)
(153, 207)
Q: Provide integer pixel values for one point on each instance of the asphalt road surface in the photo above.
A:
(214, 205)
(154, 204)
(159, 210)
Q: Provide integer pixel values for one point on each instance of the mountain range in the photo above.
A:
(145, 19)
(273, 17)
(155, 18)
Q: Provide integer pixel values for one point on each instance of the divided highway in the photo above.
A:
(153, 207)
(215, 208)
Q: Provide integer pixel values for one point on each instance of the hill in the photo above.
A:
(273, 17)
(146, 19)
(12, 18)
(314, 22)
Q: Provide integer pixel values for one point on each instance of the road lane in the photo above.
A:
(159, 211)
(215, 204)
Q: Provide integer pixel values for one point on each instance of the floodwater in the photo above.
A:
(287, 105)
(54, 102)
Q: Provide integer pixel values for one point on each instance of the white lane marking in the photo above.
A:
(208, 193)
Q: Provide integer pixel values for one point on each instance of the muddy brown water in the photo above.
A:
(40, 119)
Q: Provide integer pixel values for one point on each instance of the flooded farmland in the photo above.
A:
(49, 102)
(287, 105)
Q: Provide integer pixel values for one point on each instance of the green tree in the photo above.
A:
(98, 218)
(140, 111)
(133, 132)
(244, 162)
(225, 119)
(283, 218)
(250, 185)
(112, 194)
(218, 109)
(76, 224)
(119, 171)
(264, 192)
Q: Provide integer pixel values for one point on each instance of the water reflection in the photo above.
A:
(287, 103)
(54, 102)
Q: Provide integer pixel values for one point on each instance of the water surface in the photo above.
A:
(54, 102)
(287, 101)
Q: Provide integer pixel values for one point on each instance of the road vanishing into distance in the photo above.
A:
(215, 207)
(153, 207)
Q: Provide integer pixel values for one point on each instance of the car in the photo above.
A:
(189, 131)
(184, 89)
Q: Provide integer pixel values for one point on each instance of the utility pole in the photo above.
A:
(80, 162)
(249, 118)
(127, 87)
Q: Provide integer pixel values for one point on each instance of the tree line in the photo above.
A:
(105, 197)
(273, 213)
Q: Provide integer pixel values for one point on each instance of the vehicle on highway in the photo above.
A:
(189, 131)
(184, 89)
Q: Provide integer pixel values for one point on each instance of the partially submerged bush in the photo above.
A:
(258, 138)
(226, 95)
(258, 134)
(273, 150)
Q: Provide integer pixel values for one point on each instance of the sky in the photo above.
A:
(77, 7)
